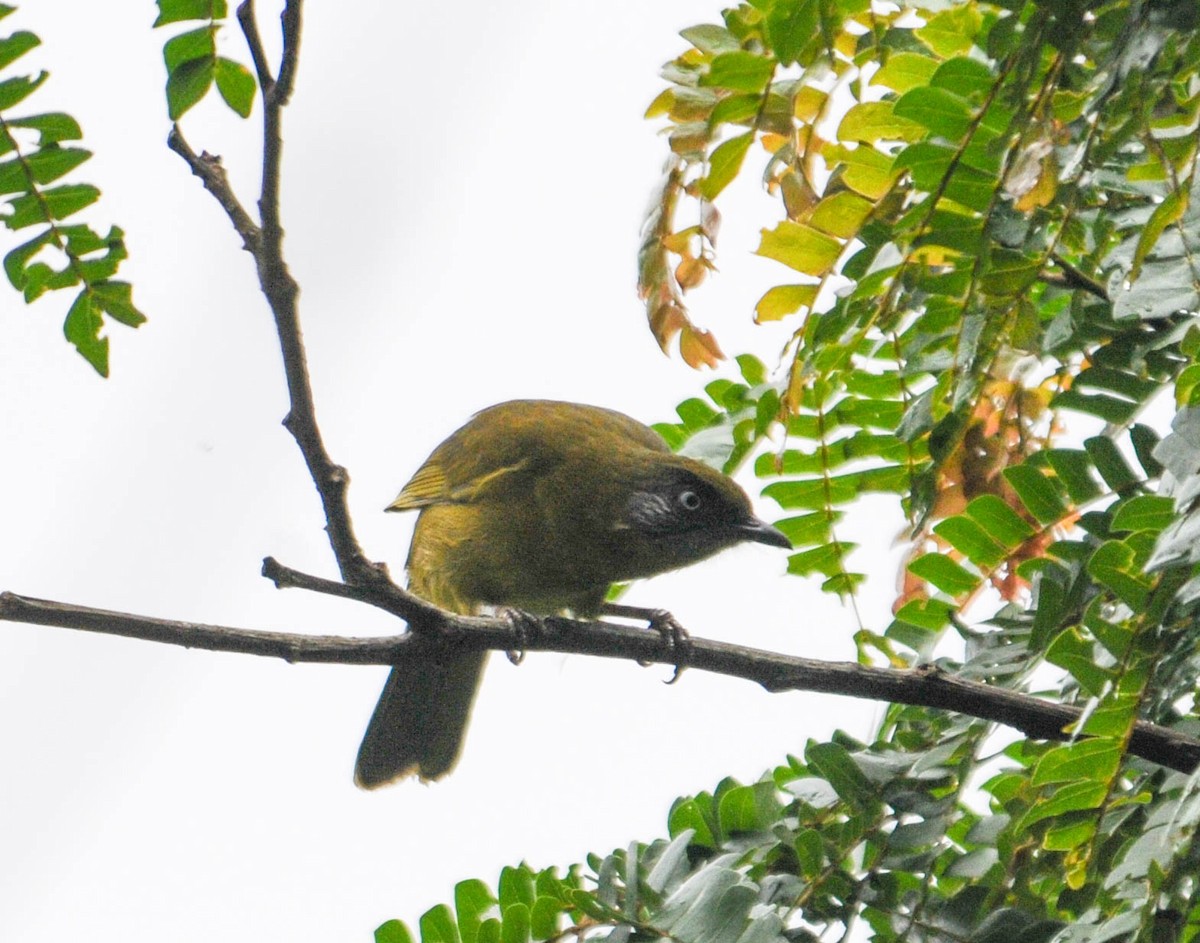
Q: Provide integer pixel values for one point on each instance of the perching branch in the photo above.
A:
(923, 687)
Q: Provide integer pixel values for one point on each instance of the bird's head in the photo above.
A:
(679, 511)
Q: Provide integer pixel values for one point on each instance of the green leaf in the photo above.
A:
(753, 370)
(1037, 492)
(52, 128)
(971, 540)
(17, 260)
(544, 917)
(116, 300)
(236, 85)
(825, 559)
(437, 926)
(1167, 213)
(1073, 468)
(687, 815)
(1096, 760)
(790, 27)
(59, 202)
(938, 109)
(188, 84)
(15, 46)
(82, 328)
(194, 44)
(944, 573)
(1070, 835)
(800, 247)
(808, 529)
(1000, 520)
(724, 165)
(1145, 512)
(14, 91)
(516, 887)
(1110, 463)
(1108, 408)
(738, 71)
(175, 11)
(835, 765)
(748, 808)
(45, 166)
(1072, 797)
(515, 924)
(392, 932)
(472, 899)
(1115, 565)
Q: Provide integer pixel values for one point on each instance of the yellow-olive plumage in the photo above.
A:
(538, 506)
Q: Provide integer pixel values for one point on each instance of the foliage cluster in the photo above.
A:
(991, 214)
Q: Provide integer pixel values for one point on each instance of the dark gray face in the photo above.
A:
(688, 514)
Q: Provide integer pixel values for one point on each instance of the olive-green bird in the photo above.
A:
(538, 506)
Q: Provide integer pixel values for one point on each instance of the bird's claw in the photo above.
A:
(675, 638)
(525, 626)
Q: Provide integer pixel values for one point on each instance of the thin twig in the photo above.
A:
(924, 687)
(212, 174)
(265, 243)
(290, 25)
(249, 24)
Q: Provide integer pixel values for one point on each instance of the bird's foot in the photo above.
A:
(676, 640)
(525, 626)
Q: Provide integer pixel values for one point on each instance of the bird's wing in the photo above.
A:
(430, 485)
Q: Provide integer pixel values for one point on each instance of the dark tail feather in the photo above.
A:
(420, 720)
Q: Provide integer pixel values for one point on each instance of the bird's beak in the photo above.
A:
(763, 533)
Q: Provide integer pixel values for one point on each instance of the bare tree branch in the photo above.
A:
(280, 288)
(212, 174)
(924, 687)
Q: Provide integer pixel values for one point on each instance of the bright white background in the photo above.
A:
(463, 189)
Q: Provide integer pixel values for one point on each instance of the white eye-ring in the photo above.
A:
(689, 499)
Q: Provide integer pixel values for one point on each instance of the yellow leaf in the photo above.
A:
(808, 103)
(905, 70)
(842, 214)
(1042, 193)
(783, 300)
(800, 247)
(772, 142)
(951, 32)
(680, 242)
(864, 169)
(661, 104)
(876, 121)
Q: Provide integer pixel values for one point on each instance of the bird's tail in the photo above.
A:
(421, 718)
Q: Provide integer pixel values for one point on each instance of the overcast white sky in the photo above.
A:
(463, 189)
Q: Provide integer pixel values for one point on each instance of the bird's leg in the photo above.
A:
(525, 625)
(675, 636)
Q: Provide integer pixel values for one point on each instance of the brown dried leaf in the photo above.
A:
(690, 272)
(699, 347)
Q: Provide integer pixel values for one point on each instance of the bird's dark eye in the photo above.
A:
(689, 499)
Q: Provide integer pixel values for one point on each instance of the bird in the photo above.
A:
(537, 507)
